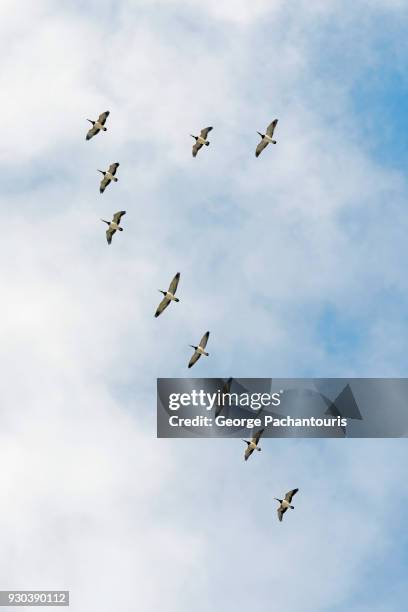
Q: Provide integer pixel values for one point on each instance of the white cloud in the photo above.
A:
(92, 499)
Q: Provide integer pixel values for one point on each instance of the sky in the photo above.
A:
(295, 261)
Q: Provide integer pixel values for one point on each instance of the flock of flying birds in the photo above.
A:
(252, 445)
(108, 176)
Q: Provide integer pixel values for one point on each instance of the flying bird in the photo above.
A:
(199, 350)
(200, 140)
(285, 503)
(253, 444)
(169, 295)
(266, 138)
(97, 125)
(226, 388)
(108, 176)
(114, 225)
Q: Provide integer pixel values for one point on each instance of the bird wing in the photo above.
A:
(118, 215)
(227, 386)
(204, 340)
(174, 284)
(103, 117)
(104, 183)
(260, 147)
(204, 132)
(113, 168)
(109, 233)
(290, 494)
(257, 436)
(271, 127)
(162, 306)
(248, 452)
(281, 511)
(92, 132)
(196, 356)
(196, 147)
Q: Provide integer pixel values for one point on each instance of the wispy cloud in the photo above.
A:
(279, 257)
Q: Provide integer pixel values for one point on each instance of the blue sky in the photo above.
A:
(295, 261)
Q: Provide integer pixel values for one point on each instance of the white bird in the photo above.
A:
(266, 138)
(169, 296)
(114, 225)
(200, 140)
(108, 176)
(253, 444)
(285, 503)
(97, 125)
(199, 350)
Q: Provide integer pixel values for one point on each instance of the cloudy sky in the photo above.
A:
(295, 261)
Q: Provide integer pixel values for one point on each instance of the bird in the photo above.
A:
(108, 176)
(200, 140)
(285, 503)
(253, 444)
(199, 350)
(97, 125)
(114, 225)
(266, 138)
(226, 388)
(169, 296)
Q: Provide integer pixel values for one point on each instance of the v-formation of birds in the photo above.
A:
(108, 176)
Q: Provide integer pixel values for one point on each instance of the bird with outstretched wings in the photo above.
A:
(97, 125)
(199, 350)
(115, 221)
(201, 140)
(285, 504)
(166, 300)
(266, 138)
(253, 444)
(108, 176)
